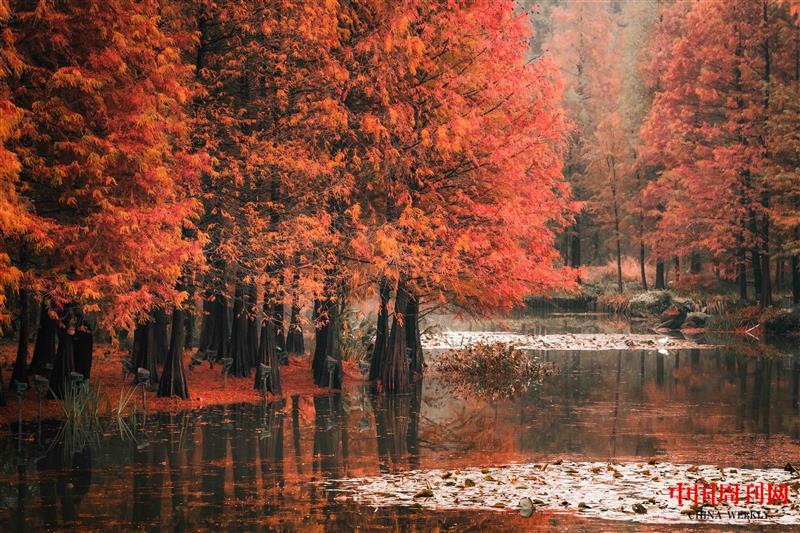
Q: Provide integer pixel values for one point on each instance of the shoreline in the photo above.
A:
(206, 386)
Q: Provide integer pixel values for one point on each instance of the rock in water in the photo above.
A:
(675, 322)
(696, 320)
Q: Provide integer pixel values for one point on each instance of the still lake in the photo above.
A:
(280, 465)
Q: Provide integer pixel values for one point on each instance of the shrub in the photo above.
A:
(495, 370)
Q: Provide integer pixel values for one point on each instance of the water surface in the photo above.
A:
(276, 465)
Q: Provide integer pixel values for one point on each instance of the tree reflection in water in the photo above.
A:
(397, 429)
(227, 467)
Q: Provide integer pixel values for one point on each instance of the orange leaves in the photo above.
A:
(357, 140)
(98, 146)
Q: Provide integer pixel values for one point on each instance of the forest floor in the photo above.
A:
(206, 385)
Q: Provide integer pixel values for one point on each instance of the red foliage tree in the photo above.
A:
(103, 160)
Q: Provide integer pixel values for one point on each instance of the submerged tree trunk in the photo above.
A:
(143, 355)
(660, 284)
(381, 331)
(44, 350)
(395, 368)
(267, 354)
(239, 351)
(20, 372)
(173, 379)
(327, 351)
(413, 340)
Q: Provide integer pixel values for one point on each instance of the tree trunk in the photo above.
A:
(677, 262)
(64, 362)
(575, 246)
(413, 341)
(252, 325)
(278, 310)
(173, 379)
(189, 312)
(294, 333)
(160, 342)
(20, 372)
(612, 166)
(660, 284)
(267, 352)
(204, 339)
(143, 355)
(694, 263)
(766, 283)
(395, 368)
(741, 275)
(238, 347)
(326, 349)
(294, 337)
(619, 265)
(84, 345)
(779, 273)
(795, 280)
(215, 345)
(642, 266)
(758, 282)
(381, 331)
(44, 350)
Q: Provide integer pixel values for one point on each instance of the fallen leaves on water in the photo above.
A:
(424, 493)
